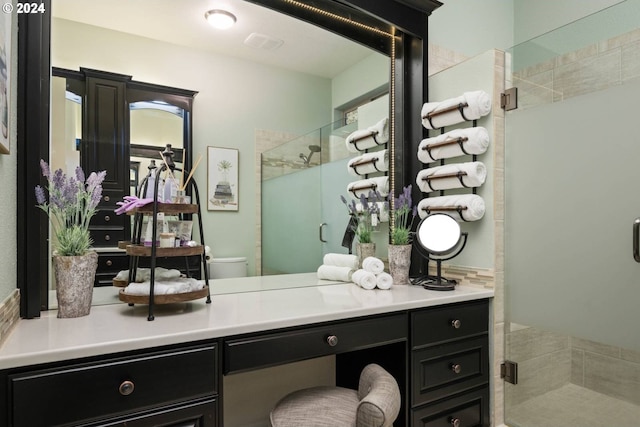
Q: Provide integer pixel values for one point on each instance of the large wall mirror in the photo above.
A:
(393, 30)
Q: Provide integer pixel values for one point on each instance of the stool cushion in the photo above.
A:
(317, 407)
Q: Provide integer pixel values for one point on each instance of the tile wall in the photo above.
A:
(9, 314)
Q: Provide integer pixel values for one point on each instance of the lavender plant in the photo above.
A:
(71, 205)
(367, 214)
(404, 214)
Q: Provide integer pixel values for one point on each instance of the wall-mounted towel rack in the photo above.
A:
(458, 209)
(372, 187)
(458, 175)
(460, 107)
(460, 141)
(372, 134)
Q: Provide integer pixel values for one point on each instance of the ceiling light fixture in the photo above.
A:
(220, 19)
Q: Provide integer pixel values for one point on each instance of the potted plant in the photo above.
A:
(71, 204)
(404, 212)
(366, 215)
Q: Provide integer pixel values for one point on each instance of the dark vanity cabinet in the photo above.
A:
(168, 387)
(450, 365)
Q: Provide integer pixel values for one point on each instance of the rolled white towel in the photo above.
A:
(364, 186)
(159, 288)
(373, 265)
(333, 272)
(364, 279)
(378, 161)
(475, 140)
(478, 105)
(473, 203)
(341, 260)
(363, 139)
(475, 174)
(383, 211)
(384, 280)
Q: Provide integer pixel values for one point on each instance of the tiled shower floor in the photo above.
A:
(573, 406)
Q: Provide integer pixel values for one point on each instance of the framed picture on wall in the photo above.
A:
(5, 82)
(222, 179)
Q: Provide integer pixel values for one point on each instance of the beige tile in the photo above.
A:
(630, 61)
(577, 367)
(613, 377)
(536, 69)
(535, 90)
(9, 314)
(619, 41)
(630, 355)
(587, 75)
(530, 343)
(576, 55)
(498, 298)
(595, 347)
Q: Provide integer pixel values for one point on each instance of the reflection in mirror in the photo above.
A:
(250, 99)
(439, 238)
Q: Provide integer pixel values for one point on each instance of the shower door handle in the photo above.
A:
(636, 239)
(322, 224)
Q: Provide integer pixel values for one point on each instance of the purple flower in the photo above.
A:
(46, 172)
(40, 196)
(94, 180)
(70, 191)
(58, 179)
(96, 195)
(80, 174)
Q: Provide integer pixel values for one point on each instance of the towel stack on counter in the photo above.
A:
(339, 267)
(454, 143)
(372, 275)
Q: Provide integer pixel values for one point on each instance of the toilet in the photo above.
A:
(222, 268)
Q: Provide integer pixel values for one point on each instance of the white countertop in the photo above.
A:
(259, 306)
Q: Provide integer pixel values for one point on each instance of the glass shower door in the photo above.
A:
(572, 285)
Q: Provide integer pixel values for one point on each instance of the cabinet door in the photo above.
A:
(198, 414)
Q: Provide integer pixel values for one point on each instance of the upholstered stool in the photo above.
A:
(376, 403)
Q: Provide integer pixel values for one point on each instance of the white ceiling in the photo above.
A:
(306, 48)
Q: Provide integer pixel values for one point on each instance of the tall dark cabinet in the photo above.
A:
(105, 145)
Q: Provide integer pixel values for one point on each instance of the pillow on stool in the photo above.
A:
(318, 406)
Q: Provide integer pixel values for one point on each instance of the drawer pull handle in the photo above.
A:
(126, 388)
(456, 324)
(107, 198)
(107, 218)
(107, 237)
(332, 340)
(109, 263)
(455, 422)
(456, 368)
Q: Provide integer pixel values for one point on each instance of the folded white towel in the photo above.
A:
(364, 186)
(373, 265)
(333, 272)
(384, 280)
(473, 203)
(166, 287)
(478, 105)
(341, 260)
(363, 139)
(378, 161)
(364, 279)
(475, 140)
(474, 175)
(143, 274)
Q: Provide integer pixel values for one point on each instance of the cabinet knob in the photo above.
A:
(107, 198)
(109, 263)
(456, 323)
(107, 237)
(455, 422)
(126, 388)
(107, 218)
(332, 340)
(456, 368)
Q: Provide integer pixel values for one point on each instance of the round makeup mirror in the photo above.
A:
(438, 234)
(439, 238)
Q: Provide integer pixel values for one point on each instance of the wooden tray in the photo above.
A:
(163, 299)
(140, 250)
(168, 208)
(120, 283)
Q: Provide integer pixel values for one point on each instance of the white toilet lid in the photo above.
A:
(236, 259)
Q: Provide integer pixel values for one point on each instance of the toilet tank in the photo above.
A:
(222, 268)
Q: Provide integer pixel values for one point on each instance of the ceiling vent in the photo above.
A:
(261, 41)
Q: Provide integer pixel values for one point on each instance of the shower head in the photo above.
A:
(312, 149)
(315, 148)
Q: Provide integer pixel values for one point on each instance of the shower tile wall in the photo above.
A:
(548, 361)
(9, 314)
(595, 67)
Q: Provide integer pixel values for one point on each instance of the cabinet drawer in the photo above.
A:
(466, 410)
(439, 371)
(112, 262)
(283, 347)
(104, 237)
(450, 322)
(107, 218)
(114, 387)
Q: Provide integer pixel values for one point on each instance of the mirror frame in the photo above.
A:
(405, 19)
